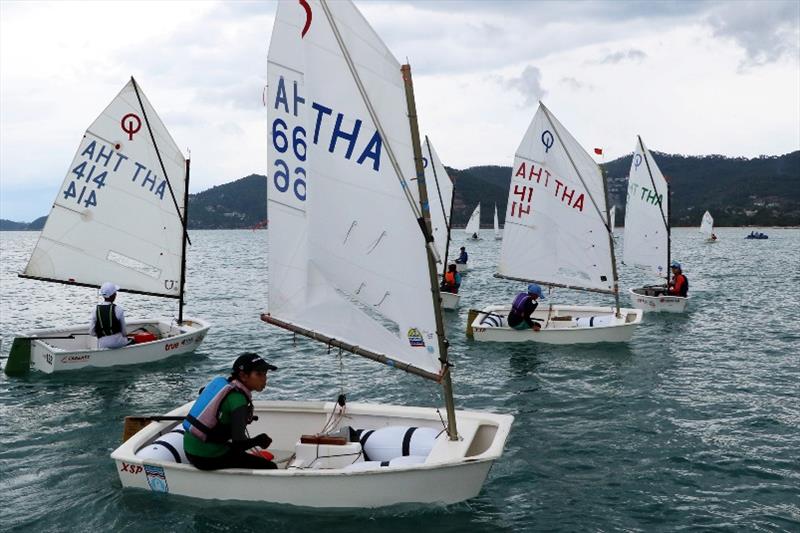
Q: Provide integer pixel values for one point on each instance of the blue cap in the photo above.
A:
(534, 288)
(675, 264)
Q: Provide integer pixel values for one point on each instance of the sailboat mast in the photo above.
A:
(611, 242)
(184, 238)
(669, 230)
(425, 224)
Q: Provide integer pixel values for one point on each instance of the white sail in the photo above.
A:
(555, 227)
(474, 223)
(496, 224)
(347, 257)
(118, 214)
(440, 196)
(613, 217)
(707, 225)
(646, 214)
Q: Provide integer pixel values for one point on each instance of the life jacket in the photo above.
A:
(518, 307)
(450, 278)
(107, 322)
(203, 418)
(681, 285)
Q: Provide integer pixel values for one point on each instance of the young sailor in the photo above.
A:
(452, 280)
(679, 285)
(216, 428)
(462, 257)
(108, 320)
(523, 307)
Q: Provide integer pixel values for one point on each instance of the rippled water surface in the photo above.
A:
(693, 425)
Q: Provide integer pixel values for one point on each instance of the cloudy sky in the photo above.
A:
(690, 77)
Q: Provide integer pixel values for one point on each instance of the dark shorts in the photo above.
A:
(231, 459)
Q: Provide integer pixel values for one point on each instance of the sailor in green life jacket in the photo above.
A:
(216, 428)
(108, 320)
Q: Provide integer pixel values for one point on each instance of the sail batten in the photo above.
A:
(551, 233)
(114, 217)
(646, 214)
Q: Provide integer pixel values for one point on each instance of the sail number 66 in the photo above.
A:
(281, 178)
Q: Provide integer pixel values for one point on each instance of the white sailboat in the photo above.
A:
(119, 215)
(474, 223)
(351, 264)
(707, 227)
(441, 202)
(497, 234)
(557, 233)
(647, 232)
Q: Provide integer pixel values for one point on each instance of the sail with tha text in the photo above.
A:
(556, 229)
(119, 214)
(347, 255)
(647, 214)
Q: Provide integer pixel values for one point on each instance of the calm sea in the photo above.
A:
(693, 425)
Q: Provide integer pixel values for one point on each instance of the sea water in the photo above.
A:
(693, 425)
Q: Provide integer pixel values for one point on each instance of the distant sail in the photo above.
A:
(613, 223)
(118, 215)
(474, 223)
(555, 226)
(707, 225)
(496, 224)
(646, 211)
(347, 256)
(440, 196)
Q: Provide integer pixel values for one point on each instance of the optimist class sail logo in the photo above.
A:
(308, 17)
(131, 123)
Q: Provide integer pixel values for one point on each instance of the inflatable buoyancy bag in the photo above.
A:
(167, 448)
(493, 321)
(391, 442)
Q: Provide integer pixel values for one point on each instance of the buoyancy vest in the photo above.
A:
(203, 418)
(450, 278)
(106, 322)
(518, 307)
(681, 285)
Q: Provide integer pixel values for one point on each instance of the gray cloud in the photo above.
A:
(767, 30)
(574, 84)
(529, 84)
(631, 55)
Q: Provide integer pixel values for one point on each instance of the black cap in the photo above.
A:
(249, 361)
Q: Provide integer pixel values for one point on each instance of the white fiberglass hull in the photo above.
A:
(561, 324)
(657, 304)
(453, 471)
(57, 355)
(461, 268)
(450, 301)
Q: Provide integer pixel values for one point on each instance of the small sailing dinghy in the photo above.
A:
(647, 232)
(119, 215)
(707, 227)
(474, 224)
(441, 213)
(497, 234)
(351, 264)
(556, 233)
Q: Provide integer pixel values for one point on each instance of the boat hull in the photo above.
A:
(557, 329)
(657, 304)
(453, 471)
(462, 267)
(450, 301)
(61, 355)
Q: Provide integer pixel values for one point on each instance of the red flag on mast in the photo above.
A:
(598, 151)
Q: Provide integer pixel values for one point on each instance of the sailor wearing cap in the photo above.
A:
(108, 320)
(216, 427)
(679, 285)
(523, 307)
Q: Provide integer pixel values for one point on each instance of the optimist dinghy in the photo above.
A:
(707, 228)
(474, 224)
(647, 232)
(119, 215)
(557, 233)
(350, 266)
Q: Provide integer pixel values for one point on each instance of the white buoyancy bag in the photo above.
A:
(397, 461)
(493, 321)
(594, 321)
(167, 448)
(391, 442)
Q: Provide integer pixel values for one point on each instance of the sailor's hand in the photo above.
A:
(262, 440)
